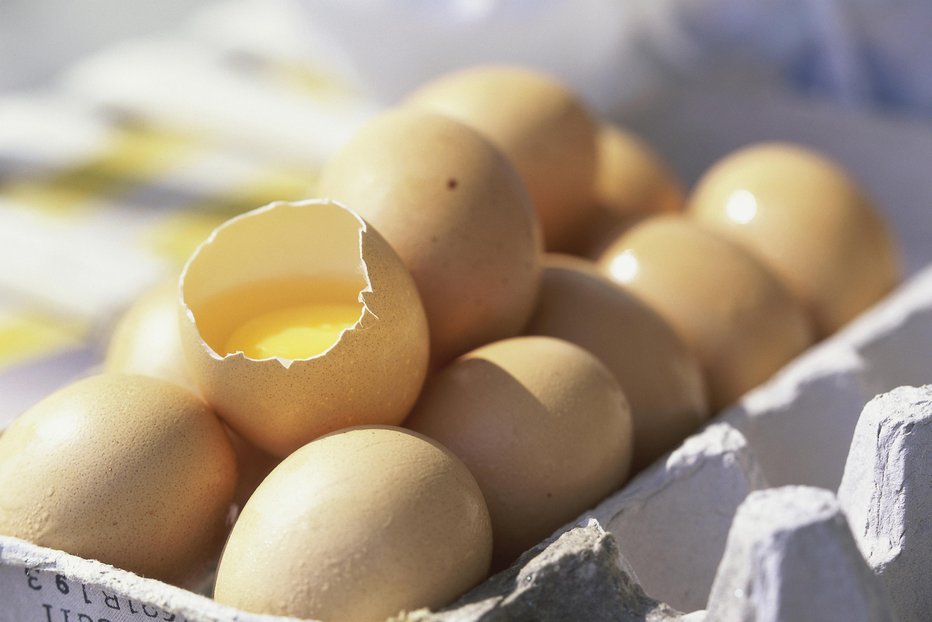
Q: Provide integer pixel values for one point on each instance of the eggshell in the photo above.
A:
(632, 182)
(129, 470)
(374, 371)
(657, 372)
(808, 220)
(147, 341)
(543, 426)
(738, 318)
(543, 128)
(458, 215)
(358, 525)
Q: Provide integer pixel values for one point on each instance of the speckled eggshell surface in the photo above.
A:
(741, 322)
(660, 376)
(543, 128)
(808, 220)
(357, 526)
(128, 470)
(543, 426)
(371, 375)
(458, 215)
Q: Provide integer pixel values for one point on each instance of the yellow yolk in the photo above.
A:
(297, 332)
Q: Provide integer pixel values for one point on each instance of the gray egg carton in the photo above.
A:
(810, 499)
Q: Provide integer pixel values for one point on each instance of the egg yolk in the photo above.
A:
(297, 332)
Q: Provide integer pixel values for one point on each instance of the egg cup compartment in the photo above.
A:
(669, 539)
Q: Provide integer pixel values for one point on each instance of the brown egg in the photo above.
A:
(298, 319)
(543, 128)
(632, 182)
(358, 525)
(657, 372)
(458, 215)
(147, 341)
(129, 470)
(543, 426)
(738, 318)
(808, 220)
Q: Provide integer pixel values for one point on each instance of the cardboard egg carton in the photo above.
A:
(807, 500)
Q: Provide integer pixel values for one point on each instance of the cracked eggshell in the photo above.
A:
(147, 341)
(659, 375)
(129, 470)
(543, 426)
(374, 371)
(358, 525)
(457, 214)
(741, 322)
(540, 124)
(808, 220)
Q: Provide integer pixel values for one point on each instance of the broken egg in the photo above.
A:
(358, 525)
(298, 319)
(805, 217)
(540, 124)
(456, 212)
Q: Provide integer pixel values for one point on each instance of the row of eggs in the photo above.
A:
(314, 330)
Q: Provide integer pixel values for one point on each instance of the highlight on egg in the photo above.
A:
(458, 215)
(737, 317)
(658, 373)
(632, 182)
(543, 127)
(298, 319)
(358, 525)
(541, 424)
(129, 470)
(809, 220)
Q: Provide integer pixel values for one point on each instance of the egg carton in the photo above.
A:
(807, 500)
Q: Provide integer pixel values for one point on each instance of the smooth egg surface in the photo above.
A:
(808, 220)
(658, 373)
(543, 426)
(356, 526)
(632, 182)
(264, 371)
(543, 128)
(741, 322)
(147, 339)
(458, 215)
(129, 470)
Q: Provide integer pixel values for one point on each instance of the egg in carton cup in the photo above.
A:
(326, 393)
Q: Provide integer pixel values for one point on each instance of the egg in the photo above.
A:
(632, 182)
(355, 526)
(457, 214)
(541, 125)
(543, 426)
(298, 319)
(129, 470)
(659, 375)
(808, 220)
(741, 322)
(147, 341)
